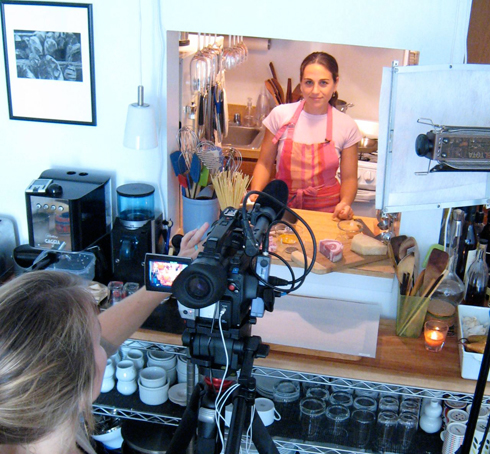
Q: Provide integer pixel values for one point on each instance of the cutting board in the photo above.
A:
(324, 227)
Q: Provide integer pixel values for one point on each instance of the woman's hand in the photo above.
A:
(191, 241)
(343, 211)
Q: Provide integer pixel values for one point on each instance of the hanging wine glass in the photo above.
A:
(229, 58)
(238, 51)
(244, 48)
(199, 68)
(209, 52)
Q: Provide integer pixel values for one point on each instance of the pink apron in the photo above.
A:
(309, 170)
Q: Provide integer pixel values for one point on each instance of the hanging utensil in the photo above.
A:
(204, 177)
(218, 113)
(174, 159)
(195, 173)
(185, 185)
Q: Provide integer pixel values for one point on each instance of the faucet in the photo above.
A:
(237, 119)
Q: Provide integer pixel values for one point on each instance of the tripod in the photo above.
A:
(200, 412)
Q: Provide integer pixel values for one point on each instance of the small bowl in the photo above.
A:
(153, 396)
(153, 377)
(350, 228)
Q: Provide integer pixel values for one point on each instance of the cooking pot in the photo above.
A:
(141, 437)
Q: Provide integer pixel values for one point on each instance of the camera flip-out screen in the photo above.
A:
(161, 271)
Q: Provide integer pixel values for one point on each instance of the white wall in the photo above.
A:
(437, 28)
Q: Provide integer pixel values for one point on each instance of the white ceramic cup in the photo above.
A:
(126, 387)
(478, 438)
(110, 369)
(108, 384)
(153, 396)
(453, 437)
(163, 359)
(137, 357)
(484, 411)
(171, 375)
(457, 415)
(153, 376)
(116, 357)
(125, 370)
(265, 409)
(181, 363)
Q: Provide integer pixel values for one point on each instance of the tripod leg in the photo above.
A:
(261, 437)
(188, 424)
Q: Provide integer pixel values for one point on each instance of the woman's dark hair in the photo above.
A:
(328, 62)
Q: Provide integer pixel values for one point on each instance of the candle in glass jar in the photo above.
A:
(435, 332)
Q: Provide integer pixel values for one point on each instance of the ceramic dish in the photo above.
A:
(178, 394)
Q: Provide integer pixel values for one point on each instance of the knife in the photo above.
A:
(366, 230)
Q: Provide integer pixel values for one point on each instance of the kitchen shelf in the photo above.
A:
(130, 407)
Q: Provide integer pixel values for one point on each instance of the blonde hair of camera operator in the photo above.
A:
(47, 359)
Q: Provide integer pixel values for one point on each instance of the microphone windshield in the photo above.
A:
(277, 189)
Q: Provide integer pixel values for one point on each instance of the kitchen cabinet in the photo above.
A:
(402, 366)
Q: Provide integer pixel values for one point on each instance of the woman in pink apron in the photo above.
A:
(309, 142)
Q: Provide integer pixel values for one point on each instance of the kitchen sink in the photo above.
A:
(243, 136)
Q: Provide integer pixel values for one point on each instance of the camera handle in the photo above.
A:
(202, 403)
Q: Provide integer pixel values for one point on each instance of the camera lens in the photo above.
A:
(198, 287)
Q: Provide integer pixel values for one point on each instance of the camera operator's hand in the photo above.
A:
(190, 245)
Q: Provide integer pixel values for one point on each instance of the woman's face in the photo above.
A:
(317, 88)
(100, 359)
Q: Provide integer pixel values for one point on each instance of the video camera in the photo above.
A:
(222, 292)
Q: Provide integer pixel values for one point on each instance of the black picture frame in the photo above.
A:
(49, 61)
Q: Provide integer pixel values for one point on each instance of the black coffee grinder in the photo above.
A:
(137, 230)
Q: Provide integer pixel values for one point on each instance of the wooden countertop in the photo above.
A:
(399, 361)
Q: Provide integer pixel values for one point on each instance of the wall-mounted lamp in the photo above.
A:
(141, 129)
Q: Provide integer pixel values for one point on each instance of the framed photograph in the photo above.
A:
(48, 49)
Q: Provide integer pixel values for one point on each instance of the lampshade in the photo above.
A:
(141, 128)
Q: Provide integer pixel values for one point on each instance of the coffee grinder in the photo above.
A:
(137, 230)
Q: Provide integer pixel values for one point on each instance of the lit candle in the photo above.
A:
(434, 338)
(435, 332)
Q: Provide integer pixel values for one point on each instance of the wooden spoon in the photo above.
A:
(436, 265)
(394, 247)
(272, 90)
(289, 93)
(273, 70)
(279, 90)
(297, 95)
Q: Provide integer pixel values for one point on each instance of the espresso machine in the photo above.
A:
(137, 230)
(68, 211)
